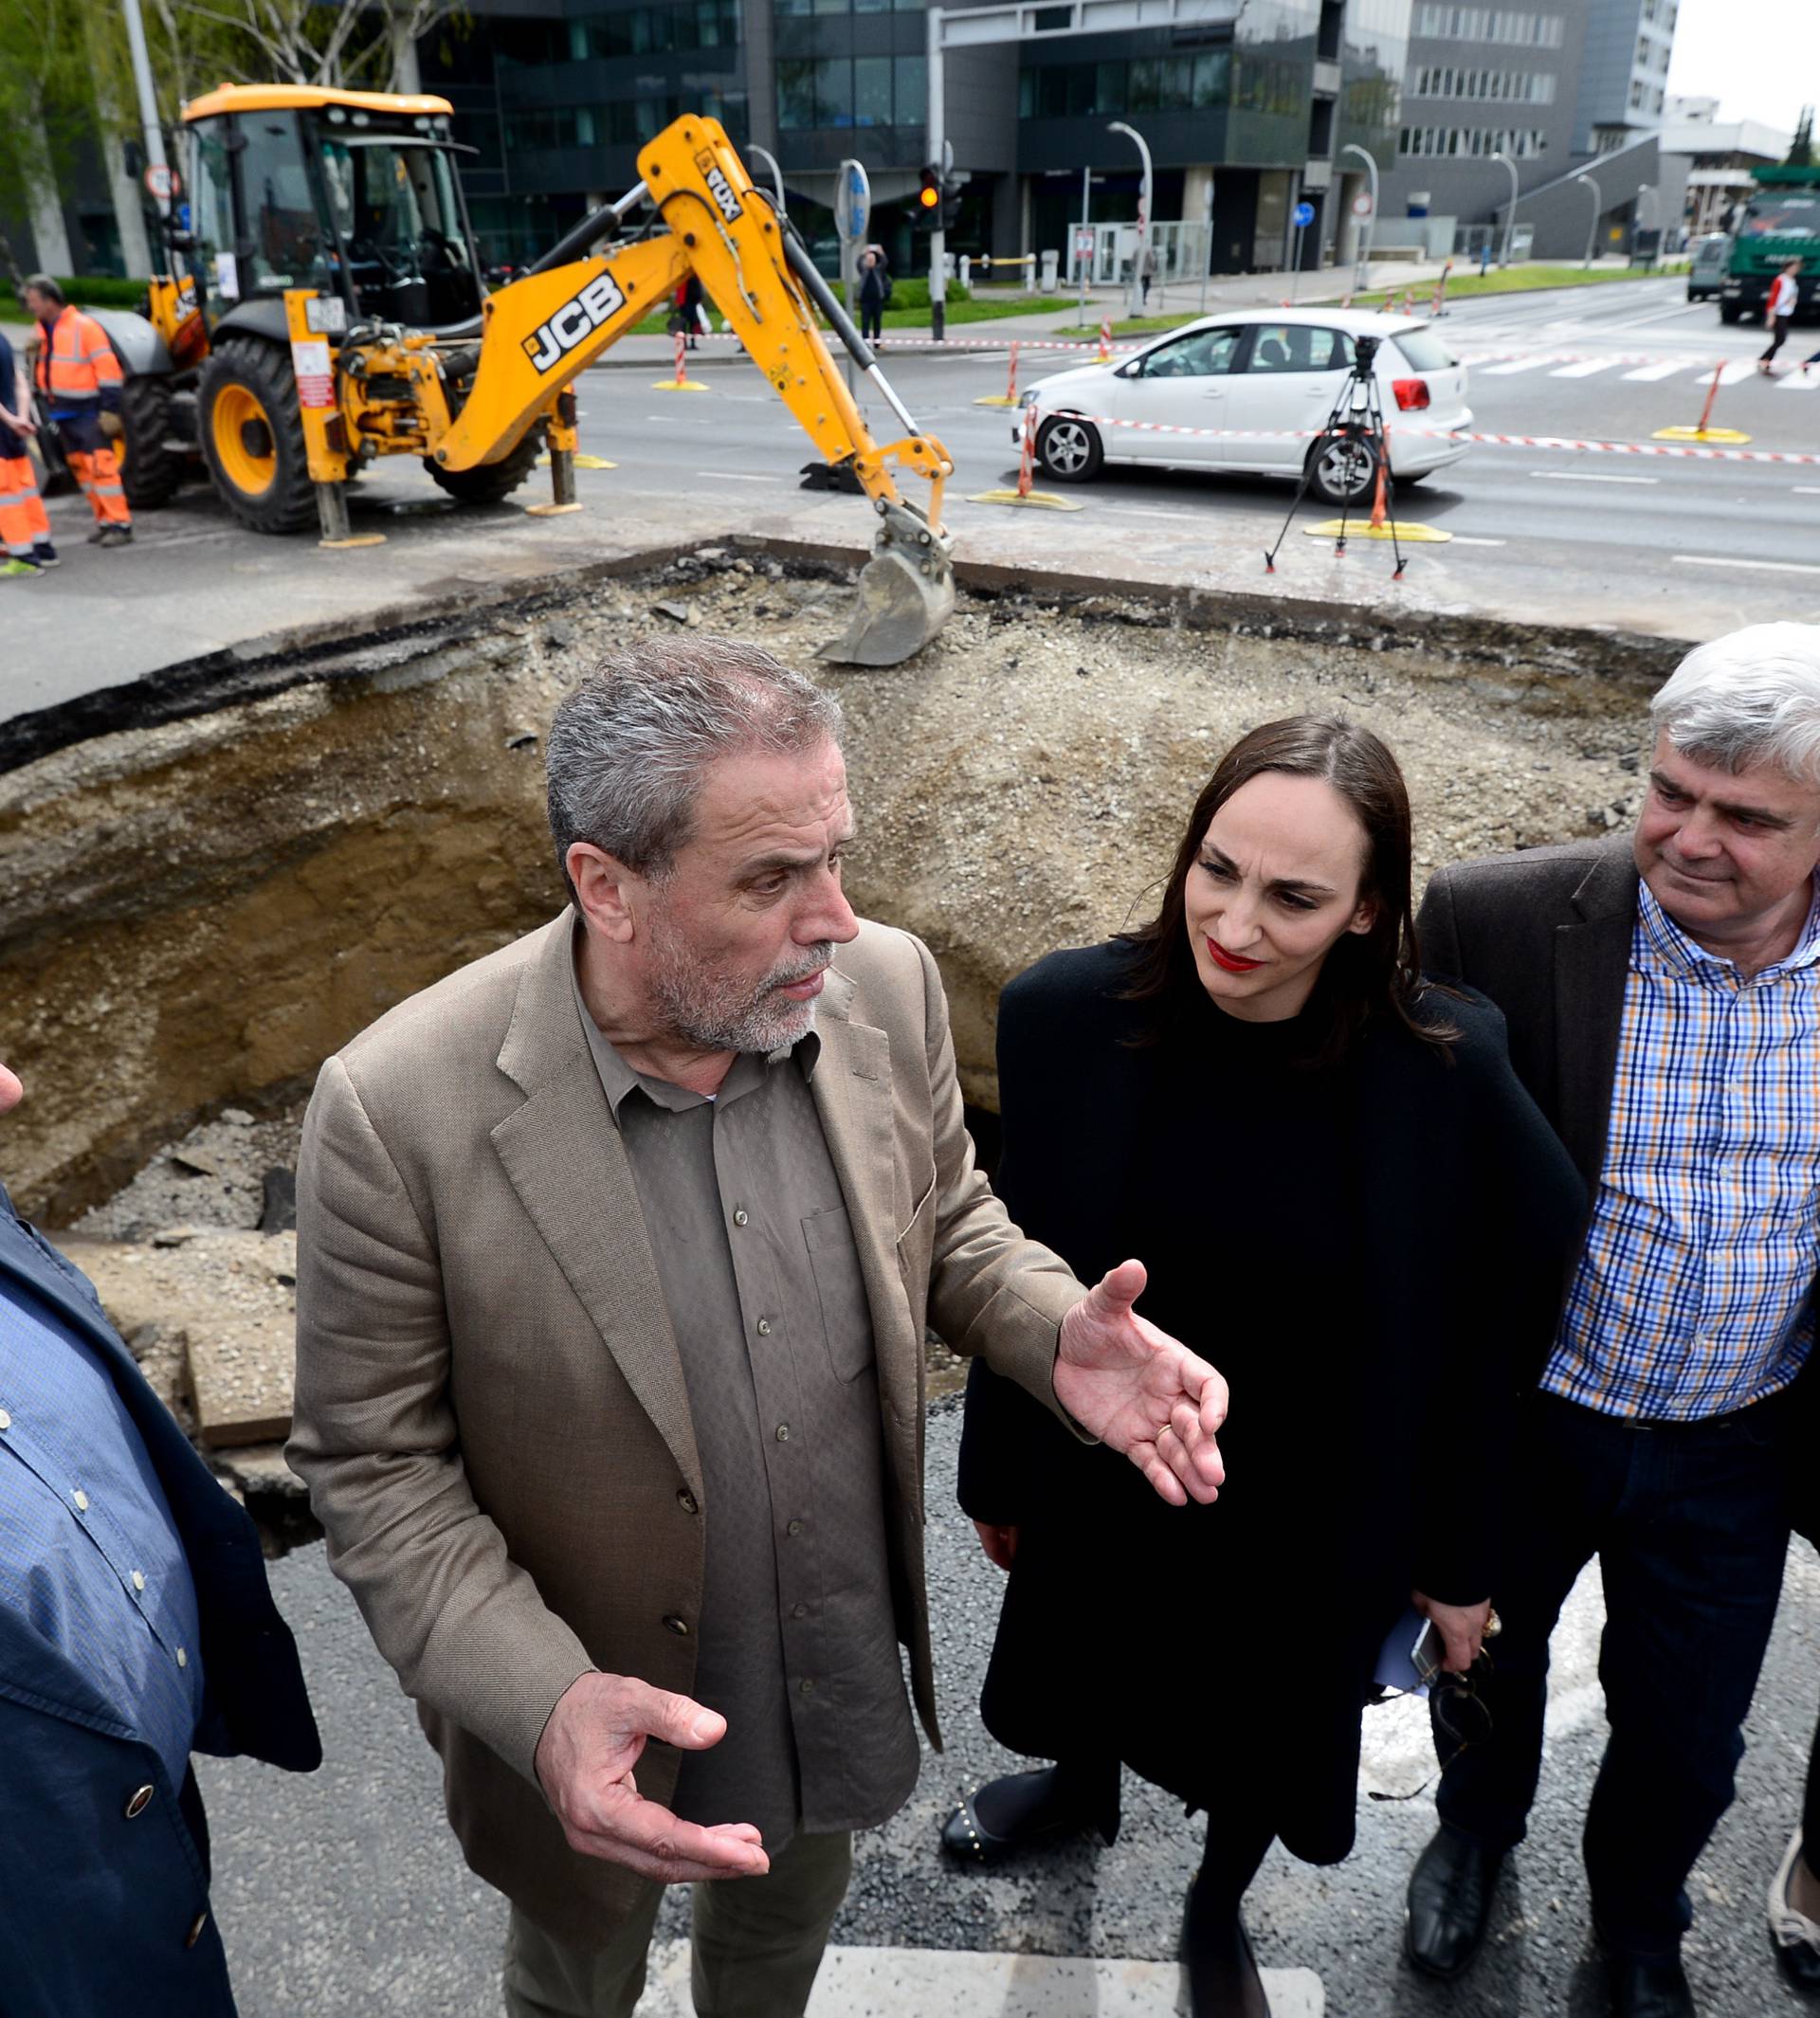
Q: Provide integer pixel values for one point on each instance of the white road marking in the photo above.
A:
(686, 420)
(1666, 369)
(1729, 374)
(1799, 382)
(1510, 370)
(1585, 368)
(737, 476)
(1468, 540)
(1588, 476)
(1139, 511)
(1807, 490)
(1716, 560)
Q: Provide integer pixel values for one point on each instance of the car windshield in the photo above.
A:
(1782, 217)
(1198, 354)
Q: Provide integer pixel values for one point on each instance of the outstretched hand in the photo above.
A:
(584, 1764)
(1140, 1392)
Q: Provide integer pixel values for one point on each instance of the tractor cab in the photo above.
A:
(351, 193)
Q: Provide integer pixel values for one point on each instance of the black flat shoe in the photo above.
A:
(1029, 1814)
(1449, 1903)
(1223, 1979)
(1648, 1990)
(1794, 1937)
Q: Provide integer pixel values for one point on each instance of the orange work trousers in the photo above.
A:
(22, 524)
(99, 474)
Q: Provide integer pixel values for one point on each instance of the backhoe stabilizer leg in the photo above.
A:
(906, 591)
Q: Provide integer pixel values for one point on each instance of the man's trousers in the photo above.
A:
(22, 524)
(1690, 1524)
(755, 1942)
(91, 463)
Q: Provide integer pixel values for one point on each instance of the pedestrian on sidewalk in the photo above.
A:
(81, 379)
(1337, 1173)
(615, 1253)
(25, 530)
(1146, 273)
(1779, 311)
(875, 291)
(137, 1628)
(1662, 991)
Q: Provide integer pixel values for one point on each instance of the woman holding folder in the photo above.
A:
(1348, 1201)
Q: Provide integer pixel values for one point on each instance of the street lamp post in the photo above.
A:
(1362, 269)
(1510, 216)
(1131, 133)
(1598, 211)
(937, 115)
(148, 99)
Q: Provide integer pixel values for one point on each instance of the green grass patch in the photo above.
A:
(913, 312)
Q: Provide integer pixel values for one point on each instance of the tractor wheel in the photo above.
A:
(150, 472)
(491, 482)
(252, 436)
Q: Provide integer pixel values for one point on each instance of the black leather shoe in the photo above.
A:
(1223, 1979)
(1450, 1902)
(1028, 1812)
(1792, 1934)
(1649, 1990)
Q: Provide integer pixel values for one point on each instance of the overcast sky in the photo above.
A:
(1760, 58)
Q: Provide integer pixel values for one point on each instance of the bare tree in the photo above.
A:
(302, 42)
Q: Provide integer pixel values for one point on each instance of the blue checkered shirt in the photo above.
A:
(1695, 1295)
(89, 1550)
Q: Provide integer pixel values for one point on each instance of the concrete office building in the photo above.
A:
(1246, 112)
(1623, 85)
(1719, 159)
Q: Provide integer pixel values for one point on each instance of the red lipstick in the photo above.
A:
(1228, 962)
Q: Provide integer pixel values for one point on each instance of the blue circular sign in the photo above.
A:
(1304, 214)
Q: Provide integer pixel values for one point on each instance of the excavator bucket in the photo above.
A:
(906, 593)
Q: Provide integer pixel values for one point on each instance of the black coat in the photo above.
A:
(1373, 1254)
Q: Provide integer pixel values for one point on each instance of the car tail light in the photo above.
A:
(1411, 393)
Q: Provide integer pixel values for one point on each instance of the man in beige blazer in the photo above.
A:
(615, 1254)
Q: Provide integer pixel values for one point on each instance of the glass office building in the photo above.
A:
(1246, 111)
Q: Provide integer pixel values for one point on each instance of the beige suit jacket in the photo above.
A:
(490, 1412)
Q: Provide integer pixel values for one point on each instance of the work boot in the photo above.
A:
(117, 535)
(44, 555)
(15, 569)
(1449, 1905)
(97, 534)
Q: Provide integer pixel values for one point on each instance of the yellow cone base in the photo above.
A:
(354, 539)
(678, 384)
(997, 399)
(1412, 535)
(1045, 500)
(581, 461)
(1699, 434)
(549, 511)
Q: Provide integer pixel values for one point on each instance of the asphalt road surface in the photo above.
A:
(1684, 545)
(342, 1893)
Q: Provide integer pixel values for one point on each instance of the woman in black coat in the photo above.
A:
(1346, 1201)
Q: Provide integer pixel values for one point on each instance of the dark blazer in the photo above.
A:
(100, 1911)
(1454, 1210)
(1546, 934)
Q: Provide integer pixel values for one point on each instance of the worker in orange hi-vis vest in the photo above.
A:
(81, 379)
(24, 532)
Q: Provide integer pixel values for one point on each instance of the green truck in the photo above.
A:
(1781, 221)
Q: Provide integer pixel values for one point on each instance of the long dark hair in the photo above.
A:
(1366, 976)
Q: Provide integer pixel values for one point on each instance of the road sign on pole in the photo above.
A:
(162, 183)
(1362, 203)
(1301, 217)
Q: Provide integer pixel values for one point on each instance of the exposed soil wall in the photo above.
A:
(194, 913)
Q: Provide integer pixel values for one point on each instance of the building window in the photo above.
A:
(845, 91)
(1528, 88)
(1522, 144)
(1162, 83)
(655, 30)
(1440, 21)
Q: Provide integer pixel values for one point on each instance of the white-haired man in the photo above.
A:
(615, 1254)
(1662, 996)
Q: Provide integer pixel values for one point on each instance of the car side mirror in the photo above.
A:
(1134, 370)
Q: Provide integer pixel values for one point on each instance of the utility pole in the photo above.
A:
(1362, 274)
(1143, 215)
(1084, 244)
(938, 156)
(1510, 218)
(148, 99)
(1599, 211)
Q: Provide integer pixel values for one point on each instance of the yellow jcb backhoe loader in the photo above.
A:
(333, 311)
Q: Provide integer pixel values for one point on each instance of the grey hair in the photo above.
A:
(52, 290)
(1749, 697)
(629, 747)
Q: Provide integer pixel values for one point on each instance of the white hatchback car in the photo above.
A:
(1262, 383)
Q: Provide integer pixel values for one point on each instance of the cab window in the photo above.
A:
(1299, 346)
(282, 241)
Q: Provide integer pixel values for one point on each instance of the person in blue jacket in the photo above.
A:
(135, 1627)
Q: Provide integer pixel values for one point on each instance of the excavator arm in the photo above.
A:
(543, 331)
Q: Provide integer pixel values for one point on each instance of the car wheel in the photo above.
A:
(1069, 449)
(1343, 469)
(1730, 310)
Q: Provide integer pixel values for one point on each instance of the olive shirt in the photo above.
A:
(799, 1634)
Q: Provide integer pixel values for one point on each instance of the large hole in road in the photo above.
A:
(210, 882)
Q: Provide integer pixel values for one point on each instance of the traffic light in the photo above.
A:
(929, 203)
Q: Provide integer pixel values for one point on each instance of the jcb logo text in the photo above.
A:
(574, 321)
(722, 191)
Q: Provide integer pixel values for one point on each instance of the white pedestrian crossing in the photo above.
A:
(1516, 365)
(1585, 368)
(1729, 374)
(1663, 367)
(1801, 381)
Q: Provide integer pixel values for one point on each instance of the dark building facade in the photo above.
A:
(1246, 108)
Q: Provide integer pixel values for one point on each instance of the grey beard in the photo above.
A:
(681, 993)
